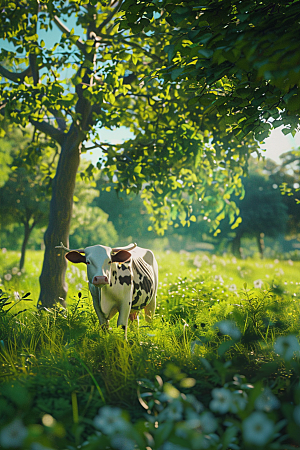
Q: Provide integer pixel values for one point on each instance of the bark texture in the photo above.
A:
(27, 231)
(52, 279)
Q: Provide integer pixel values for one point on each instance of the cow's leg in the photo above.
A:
(96, 295)
(124, 315)
(150, 309)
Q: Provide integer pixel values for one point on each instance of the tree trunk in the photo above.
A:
(236, 246)
(52, 279)
(261, 244)
(27, 231)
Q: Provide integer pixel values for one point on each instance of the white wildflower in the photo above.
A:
(4, 250)
(208, 422)
(257, 428)
(109, 420)
(219, 278)
(76, 270)
(197, 262)
(267, 401)
(229, 328)
(122, 442)
(221, 401)
(192, 420)
(258, 284)
(13, 434)
(232, 288)
(17, 295)
(239, 402)
(14, 270)
(287, 346)
(83, 275)
(206, 259)
(8, 276)
(198, 407)
(172, 412)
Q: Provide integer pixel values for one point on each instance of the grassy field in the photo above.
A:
(220, 358)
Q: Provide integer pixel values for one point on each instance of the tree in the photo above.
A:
(287, 178)
(24, 199)
(262, 211)
(173, 138)
(240, 59)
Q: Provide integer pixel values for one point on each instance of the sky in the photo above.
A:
(278, 143)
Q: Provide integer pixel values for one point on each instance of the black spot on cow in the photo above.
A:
(146, 285)
(123, 267)
(136, 297)
(139, 274)
(126, 280)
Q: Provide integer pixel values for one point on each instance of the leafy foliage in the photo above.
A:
(239, 59)
(171, 152)
(24, 200)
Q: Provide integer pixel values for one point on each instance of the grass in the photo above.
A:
(63, 365)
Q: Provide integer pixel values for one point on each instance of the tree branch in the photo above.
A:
(16, 77)
(60, 120)
(64, 29)
(34, 69)
(49, 130)
(110, 16)
(134, 44)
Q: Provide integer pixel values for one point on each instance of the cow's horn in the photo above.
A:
(131, 248)
(127, 249)
(79, 250)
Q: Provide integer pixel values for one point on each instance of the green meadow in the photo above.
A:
(218, 367)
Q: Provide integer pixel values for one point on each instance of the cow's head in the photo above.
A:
(98, 259)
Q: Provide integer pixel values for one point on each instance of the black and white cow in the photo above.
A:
(122, 280)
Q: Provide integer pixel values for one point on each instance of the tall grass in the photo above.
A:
(70, 367)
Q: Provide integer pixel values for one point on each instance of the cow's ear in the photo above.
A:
(75, 257)
(121, 256)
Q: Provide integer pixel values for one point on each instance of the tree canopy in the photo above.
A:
(240, 59)
(96, 74)
(24, 199)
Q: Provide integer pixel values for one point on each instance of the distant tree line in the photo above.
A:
(102, 215)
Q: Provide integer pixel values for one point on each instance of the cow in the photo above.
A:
(122, 280)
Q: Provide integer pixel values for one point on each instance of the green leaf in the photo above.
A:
(176, 72)
(170, 50)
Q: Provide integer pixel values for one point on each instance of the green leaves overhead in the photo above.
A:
(170, 78)
(241, 59)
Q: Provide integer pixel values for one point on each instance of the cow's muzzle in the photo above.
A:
(100, 280)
